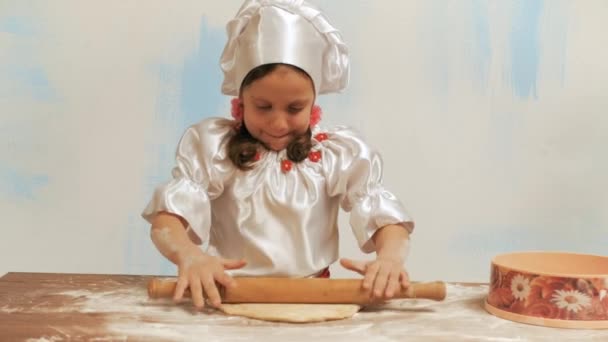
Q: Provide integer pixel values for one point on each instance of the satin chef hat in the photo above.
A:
(284, 31)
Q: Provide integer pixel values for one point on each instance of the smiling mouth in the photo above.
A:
(278, 137)
(276, 143)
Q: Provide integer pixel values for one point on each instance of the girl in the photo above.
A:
(264, 190)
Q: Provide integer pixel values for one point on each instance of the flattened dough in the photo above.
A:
(292, 313)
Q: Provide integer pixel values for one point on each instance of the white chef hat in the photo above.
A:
(284, 31)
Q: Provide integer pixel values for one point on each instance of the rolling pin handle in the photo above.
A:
(435, 291)
(160, 288)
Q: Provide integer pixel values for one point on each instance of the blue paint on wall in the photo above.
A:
(525, 47)
(168, 116)
(479, 245)
(16, 25)
(188, 94)
(33, 81)
(140, 254)
(17, 184)
(481, 50)
(198, 96)
(494, 238)
(22, 73)
(349, 24)
(556, 35)
(434, 39)
(202, 77)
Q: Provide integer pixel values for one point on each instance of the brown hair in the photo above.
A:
(242, 147)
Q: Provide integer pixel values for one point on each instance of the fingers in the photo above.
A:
(356, 266)
(385, 279)
(370, 275)
(201, 274)
(182, 285)
(197, 292)
(225, 280)
(199, 288)
(381, 281)
(211, 290)
(231, 264)
(392, 284)
(404, 277)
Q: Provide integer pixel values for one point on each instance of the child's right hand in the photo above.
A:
(200, 272)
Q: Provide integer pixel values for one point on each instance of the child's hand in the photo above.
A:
(200, 272)
(384, 276)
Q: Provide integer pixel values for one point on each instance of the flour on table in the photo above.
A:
(460, 317)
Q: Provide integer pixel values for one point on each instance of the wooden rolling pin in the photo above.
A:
(298, 290)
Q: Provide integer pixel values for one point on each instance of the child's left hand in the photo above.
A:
(385, 276)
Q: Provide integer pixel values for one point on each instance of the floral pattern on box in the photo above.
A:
(547, 296)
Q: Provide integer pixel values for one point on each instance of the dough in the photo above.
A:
(292, 313)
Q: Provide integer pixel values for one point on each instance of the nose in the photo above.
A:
(278, 124)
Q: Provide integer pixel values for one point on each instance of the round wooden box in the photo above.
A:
(554, 289)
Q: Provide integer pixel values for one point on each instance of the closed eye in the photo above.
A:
(295, 110)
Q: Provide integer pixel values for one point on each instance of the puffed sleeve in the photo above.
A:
(354, 171)
(197, 177)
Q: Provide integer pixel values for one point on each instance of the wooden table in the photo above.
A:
(85, 307)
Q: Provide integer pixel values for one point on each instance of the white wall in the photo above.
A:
(491, 117)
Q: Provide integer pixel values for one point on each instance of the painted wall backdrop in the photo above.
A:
(491, 117)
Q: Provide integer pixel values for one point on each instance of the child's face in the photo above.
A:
(277, 107)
